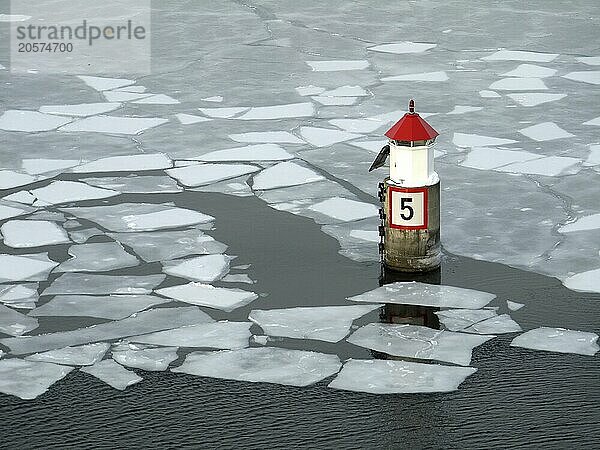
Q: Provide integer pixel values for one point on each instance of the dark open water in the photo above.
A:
(518, 398)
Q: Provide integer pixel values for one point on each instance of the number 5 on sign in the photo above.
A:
(408, 208)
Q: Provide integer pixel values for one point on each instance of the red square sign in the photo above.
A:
(407, 208)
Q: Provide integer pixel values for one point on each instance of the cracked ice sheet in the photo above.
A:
(319, 189)
(305, 109)
(136, 184)
(120, 96)
(225, 299)
(324, 137)
(584, 223)
(584, 282)
(345, 209)
(85, 355)
(459, 319)
(423, 294)
(427, 76)
(207, 268)
(14, 323)
(130, 217)
(518, 55)
(218, 335)
(495, 325)
(83, 283)
(590, 76)
(59, 192)
(34, 267)
(323, 323)
(558, 340)
(105, 83)
(10, 210)
(79, 110)
(43, 165)
(357, 239)
(141, 323)
(335, 101)
(235, 186)
(277, 137)
(97, 257)
(151, 359)
(30, 121)
(32, 233)
(29, 379)
(201, 174)
(106, 307)
(530, 71)
(398, 377)
(346, 91)
(10, 179)
(528, 99)
(545, 131)
(127, 163)
(189, 119)
(485, 158)
(403, 47)
(551, 166)
(460, 109)
(258, 152)
(166, 245)
(223, 113)
(475, 140)
(518, 84)
(112, 374)
(158, 99)
(593, 158)
(413, 341)
(262, 365)
(284, 174)
(114, 124)
(18, 292)
(337, 65)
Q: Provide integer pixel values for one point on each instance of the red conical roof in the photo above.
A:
(411, 128)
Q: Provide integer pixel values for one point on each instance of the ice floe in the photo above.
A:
(130, 217)
(214, 99)
(590, 60)
(590, 76)
(427, 76)
(14, 18)
(128, 163)
(10, 211)
(549, 166)
(104, 83)
(24, 197)
(201, 174)
(366, 235)
(413, 341)
(69, 191)
(124, 96)
(595, 122)
(346, 91)
(305, 109)
(459, 319)
(150, 359)
(262, 365)
(141, 323)
(131, 88)
(157, 99)
(545, 131)
(83, 283)
(206, 268)
(236, 186)
(489, 94)
(530, 71)
(223, 113)
(535, 98)
(495, 325)
(32, 233)
(225, 299)
(345, 209)
(323, 323)
(257, 152)
(29, 379)
(81, 236)
(398, 377)
(79, 110)
(519, 84)
(324, 137)
(335, 101)
(593, 158)
(486, 158)
(476, 140)
(84, 355)
(360, 126)
(43, 165)
(590, 222)
(284, 174)
(105, 307)
(97, 257)
(237, 278)
(14, 323)
(278, 137)
(218, 335)
(403, 47)
(15, 293)
(112, 374)
(558, 340)
(588, 281)
(188, 119)
(514, 306)
(309, 90)
(114, 125)
(519, 55)
(338, 64)
(166, 245)
(30, 121)
(25, 267)
(415, 293)
(459, 109)
(134, 184)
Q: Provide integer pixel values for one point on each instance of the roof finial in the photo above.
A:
(411, 106)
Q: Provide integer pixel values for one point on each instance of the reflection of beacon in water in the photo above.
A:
(410, 196)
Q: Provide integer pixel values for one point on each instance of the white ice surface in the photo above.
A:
(225, 299)
(550, 166)
(85, 355)
(43, 165)
(158, 99)
(25, 267)
(80, 110)
(590, 60)
(8, 212)
(206, 268)
(427, 76)
(29, 379)
(595, 122)
(32, 233)
(489, 94)
(398, 377)
(460, 109)
(413, 341)
(141, 323)
(112, 374)
(30, 121)
(495, 325)
(106, 307)
(257, 152)
(284, 174)
(415, 293)
(323, 323)
(323, 137)
(590, 76)
(593, 157)
(519, 84)
(93, 284)
(214, 99)
(130, 217)
(514, 306)
(124, 96)
(237, 278)
(530, 71)
(14, 18)
(486, 158)
(545, 131)
(305, 109)
(114, 125)
(475, 140)
(309, 90)
(366, 235)
(335, 101)
(151, 359)
(223, 113)
(128, 163)
(104, 83)
(201, 174)
(590, 222)
(346, 91)
(344, 209)
(558, 340)
(69, 191)
(82, 236)
(588, 281)
(519, 55)
(14, 292)
(403, 47)
(136, 184)
(459, 319)
(131, 88)
(10, 179)
(338, 65)
(97, 257)
(262, 365)
(24, 197)
(359, 126)
(277, 137)
(14, 323)
(188, 119)
(535, 98)
(218, 335)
